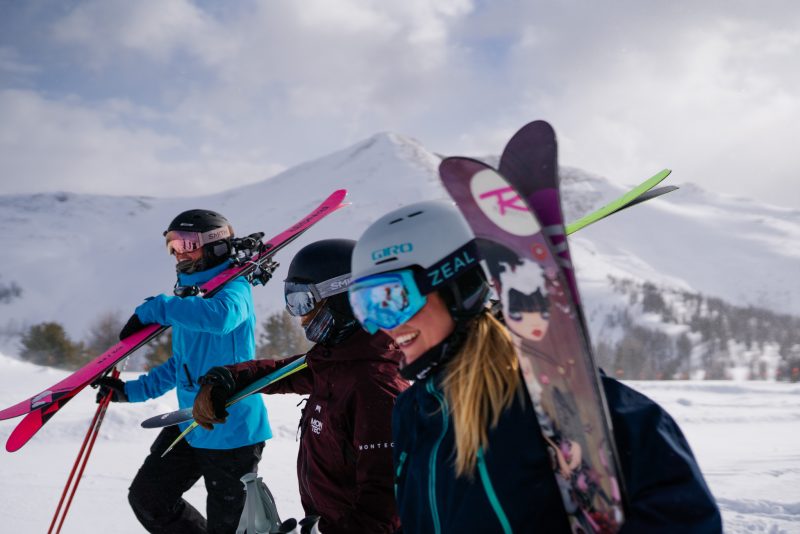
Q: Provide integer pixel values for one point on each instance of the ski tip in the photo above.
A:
(14, 443)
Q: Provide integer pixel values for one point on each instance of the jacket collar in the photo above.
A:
(360, 346)
(196, 279)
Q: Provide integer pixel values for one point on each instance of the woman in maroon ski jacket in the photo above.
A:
(344, 463)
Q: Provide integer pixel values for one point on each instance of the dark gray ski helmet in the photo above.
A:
(320, 271)
(213, 233)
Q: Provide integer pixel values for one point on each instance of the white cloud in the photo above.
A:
(157, 29)
(50, 145)
(241, 88)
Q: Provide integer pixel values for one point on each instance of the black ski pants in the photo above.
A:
(156, 493)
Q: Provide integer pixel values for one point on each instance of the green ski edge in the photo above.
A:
(620, 203)
(297, 365)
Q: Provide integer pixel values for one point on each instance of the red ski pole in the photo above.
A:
(82, 459)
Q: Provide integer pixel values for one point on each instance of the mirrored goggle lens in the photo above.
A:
(182, 242)
(299, 303)
(385, 301)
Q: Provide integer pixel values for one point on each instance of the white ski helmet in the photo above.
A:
(431, 236)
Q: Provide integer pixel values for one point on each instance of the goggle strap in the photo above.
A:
(448, 268)
(332, 286)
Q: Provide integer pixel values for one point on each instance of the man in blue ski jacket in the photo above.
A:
(206, 332)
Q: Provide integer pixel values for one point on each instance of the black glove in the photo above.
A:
(114, 385)
(222, 387)
(131, 327)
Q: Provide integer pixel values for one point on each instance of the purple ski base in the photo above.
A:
(556, 363)
(42, 406)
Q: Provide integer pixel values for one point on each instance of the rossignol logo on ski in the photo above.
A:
(501, 204)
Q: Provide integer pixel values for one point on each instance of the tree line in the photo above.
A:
(48, 343)
(713, 336)
(709, 335)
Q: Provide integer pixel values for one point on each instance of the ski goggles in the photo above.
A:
(181, 242)
(301, 298)
(386, 300)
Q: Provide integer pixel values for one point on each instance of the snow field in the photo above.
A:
(745, 435)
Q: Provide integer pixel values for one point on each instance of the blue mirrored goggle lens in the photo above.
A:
(299, 303)
(385, 301)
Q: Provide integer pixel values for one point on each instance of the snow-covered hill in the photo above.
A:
(743, 434)
(76, 257)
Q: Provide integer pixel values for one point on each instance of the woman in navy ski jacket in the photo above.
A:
(469, 454)
(514, 489)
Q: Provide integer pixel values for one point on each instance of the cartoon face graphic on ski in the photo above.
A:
(536, 310)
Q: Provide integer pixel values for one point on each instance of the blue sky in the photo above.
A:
(172, 97)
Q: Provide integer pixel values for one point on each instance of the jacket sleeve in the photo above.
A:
(245, 373)
(219, 314)
(666, 490)
(155, 383)
(375, 509)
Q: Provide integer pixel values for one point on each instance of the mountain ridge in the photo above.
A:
(77, 256)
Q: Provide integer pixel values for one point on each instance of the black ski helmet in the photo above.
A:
(201, 221)
(319, 262)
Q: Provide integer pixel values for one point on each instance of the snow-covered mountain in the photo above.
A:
(75, 257)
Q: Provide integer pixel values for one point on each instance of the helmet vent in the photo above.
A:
(396, 220)
(415, 214)
(387, 260)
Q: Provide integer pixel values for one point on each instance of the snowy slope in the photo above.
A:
(78, 256)
(744, 435)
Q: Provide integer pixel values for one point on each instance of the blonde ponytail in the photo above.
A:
(479, 384)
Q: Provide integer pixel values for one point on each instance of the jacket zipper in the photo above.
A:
(434, 453)
(399, 471)
(304, 480)
(491, 495)
(188, 376)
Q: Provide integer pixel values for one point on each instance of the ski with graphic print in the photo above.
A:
(542, 312)
(250, 262)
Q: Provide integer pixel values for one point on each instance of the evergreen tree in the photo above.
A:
(281, 336)
(159, 350)
(104, 333)
(9, 292)
(48, 344)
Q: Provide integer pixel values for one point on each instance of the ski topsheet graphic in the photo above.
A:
(545, 321)
(184, 415)
(41, 407)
